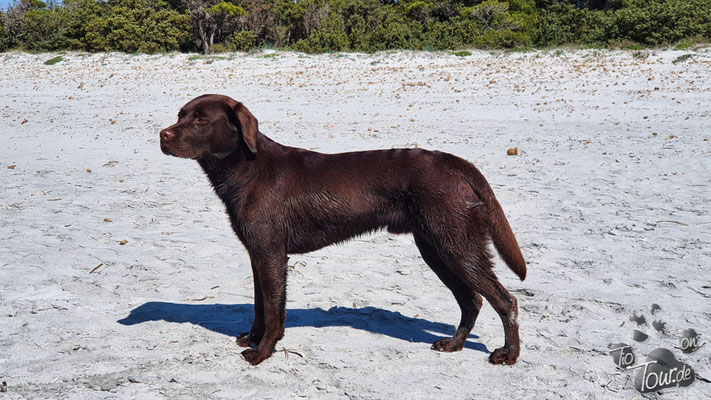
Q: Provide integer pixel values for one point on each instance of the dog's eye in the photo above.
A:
(201, 120)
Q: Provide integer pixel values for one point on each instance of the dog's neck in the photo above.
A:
(229, 173)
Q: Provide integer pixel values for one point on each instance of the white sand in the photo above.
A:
(611, 219)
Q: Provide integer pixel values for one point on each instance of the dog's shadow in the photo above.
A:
(233, 319)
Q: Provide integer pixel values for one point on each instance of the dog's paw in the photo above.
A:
(254, 357)
(448, 345)
(243, 339)
(248, 339)
(503, 355)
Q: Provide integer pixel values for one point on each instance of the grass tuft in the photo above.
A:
(461, 53)
(54, 60)
(682, 58)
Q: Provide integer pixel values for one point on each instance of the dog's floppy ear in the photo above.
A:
(247, 125)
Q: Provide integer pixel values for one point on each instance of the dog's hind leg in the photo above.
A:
(507, 307)
(469, 301)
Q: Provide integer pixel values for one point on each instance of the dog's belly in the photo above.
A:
(317, 234)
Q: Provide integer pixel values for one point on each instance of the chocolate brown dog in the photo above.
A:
(283, 200)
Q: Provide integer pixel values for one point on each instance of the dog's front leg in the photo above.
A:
(254, 336)
(269, 269)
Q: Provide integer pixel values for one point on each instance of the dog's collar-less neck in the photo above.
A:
(240, 155)
(235, 168)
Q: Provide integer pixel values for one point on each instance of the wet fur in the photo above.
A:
(284, 200)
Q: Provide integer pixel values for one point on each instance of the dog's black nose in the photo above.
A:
(166, 135)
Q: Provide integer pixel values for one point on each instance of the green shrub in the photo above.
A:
(136, 26)
(661, 21)
(218, 48)
(501, 39)
(329, 37)
(316, 26)
(243, 41)
(4, 38)
(395, 35)
(360, 34)
(453, 34)
(504, 24)
(649, 22)
(419, 10)
(44, 30)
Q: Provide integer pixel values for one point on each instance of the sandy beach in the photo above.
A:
(120, 276)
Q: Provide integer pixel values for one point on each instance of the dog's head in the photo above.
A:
(210, 125)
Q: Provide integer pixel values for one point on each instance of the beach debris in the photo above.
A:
(123, 242)
(286, 353)
(298, 264)
(201, 299)
(513, 151)
(671, 222)
(95, 268)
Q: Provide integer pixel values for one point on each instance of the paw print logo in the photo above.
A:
(690, 341)
(660, 369)
(622, 354)
(659, 327)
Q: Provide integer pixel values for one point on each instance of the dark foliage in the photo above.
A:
(352, 25)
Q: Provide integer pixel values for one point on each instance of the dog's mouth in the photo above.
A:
(176, 153)
(164, 148)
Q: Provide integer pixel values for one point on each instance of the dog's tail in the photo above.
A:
(499, 228)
